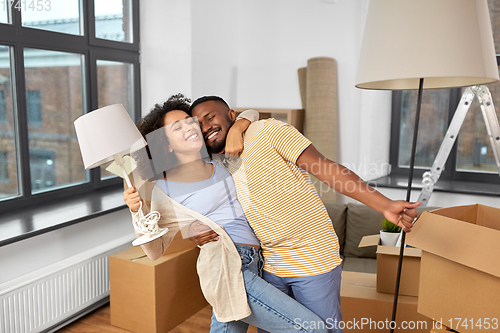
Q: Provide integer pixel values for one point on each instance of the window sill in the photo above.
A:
(33, 221)
(450, 186)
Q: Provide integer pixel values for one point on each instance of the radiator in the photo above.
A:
(47, 297)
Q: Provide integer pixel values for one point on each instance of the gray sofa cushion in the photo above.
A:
(361, 221)
(363, 265)
(338, 216)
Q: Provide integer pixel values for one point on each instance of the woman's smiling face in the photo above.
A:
(183, 132)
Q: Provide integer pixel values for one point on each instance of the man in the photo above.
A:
(298, 241)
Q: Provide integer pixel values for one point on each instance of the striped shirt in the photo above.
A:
(281, 203)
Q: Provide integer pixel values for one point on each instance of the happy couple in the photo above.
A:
(270, 257)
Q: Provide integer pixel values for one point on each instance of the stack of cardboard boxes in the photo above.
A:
(367, 299)
(450, 279)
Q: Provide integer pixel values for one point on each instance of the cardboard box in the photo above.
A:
(387, 267)
(443, 329)
(360, 302)
(460, 267)
(154, 296)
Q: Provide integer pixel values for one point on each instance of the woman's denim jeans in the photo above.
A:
(272, 310)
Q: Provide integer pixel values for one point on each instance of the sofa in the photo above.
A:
(351, 222)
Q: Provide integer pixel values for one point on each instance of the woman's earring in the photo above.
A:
(170, 149)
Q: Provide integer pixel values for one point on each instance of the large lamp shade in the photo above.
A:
(449, 43)
(107, 132)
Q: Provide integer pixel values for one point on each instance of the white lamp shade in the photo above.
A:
(107, 132)
(449, 43)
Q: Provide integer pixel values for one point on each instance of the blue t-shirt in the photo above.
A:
(216, 199)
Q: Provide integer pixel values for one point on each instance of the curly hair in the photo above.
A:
(155, 160)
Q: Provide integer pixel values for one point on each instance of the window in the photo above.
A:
(4, 12)
(3, 107)
(54, 15)
(114, 84)
(4, 167)
(42, 168)
(9, 143)
(34, 106)
(472, 155)
(112, 13)
(58, 62)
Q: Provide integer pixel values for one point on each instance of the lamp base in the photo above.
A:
(146, 238)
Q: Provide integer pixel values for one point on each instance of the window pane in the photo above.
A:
(494, 6)
(474, 149)
(34, 106)
(113, 20)
(54, 100)
(9, 183)
(432, 127)
(53, 15)
(5, 12)
(115, 85)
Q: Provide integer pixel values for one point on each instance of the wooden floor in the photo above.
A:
(99, 322)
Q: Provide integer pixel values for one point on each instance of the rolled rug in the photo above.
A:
(321, 119)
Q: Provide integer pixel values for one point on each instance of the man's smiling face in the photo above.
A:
(215, 119)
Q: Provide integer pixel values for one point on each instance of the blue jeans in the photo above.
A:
(319, 293)
(272, 310)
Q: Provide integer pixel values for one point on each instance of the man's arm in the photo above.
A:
(234, 139)
(345, 181)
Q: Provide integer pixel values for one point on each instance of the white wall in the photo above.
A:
(215, 38)
(165, 41)
(254, 49)
(249, 52)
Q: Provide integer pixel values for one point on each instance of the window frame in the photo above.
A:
(450, 172)
(17, 37)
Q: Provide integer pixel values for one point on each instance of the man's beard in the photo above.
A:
(217, 146)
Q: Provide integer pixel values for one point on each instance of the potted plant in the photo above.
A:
(389, 234)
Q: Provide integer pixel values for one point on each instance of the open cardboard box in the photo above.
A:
(366, 310)
(154, 296)
(460, 267)
(441, 329)
(387, 267)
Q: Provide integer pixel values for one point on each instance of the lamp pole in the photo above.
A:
(408, 195)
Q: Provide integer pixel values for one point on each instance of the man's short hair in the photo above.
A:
(206, 99)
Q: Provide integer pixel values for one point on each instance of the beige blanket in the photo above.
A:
(219, 264)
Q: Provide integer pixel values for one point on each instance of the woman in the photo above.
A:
(205, 188)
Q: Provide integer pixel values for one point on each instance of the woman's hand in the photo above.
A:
(234, 139)
(200, 233)
(132, 199)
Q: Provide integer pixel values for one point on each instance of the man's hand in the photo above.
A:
(200, 233)
(234, 139)
(132, 199)
(402, 213)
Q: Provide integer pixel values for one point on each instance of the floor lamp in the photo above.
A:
(425, 44)
(107, 134)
